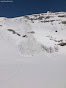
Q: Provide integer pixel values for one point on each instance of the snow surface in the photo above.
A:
(30, 51)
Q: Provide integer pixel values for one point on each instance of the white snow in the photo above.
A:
(30, 54)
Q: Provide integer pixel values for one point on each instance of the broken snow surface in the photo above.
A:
(33, 51)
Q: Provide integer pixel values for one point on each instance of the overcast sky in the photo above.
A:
(24, 7)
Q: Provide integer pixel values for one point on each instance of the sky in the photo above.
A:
(27, 7)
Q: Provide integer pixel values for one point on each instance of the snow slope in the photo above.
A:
(33, 51)
(35, 33)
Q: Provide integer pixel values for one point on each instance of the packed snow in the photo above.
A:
(33, 51)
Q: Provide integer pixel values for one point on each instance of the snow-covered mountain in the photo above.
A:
(33, 51)
(37, 33)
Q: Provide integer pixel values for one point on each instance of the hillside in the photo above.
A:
(33, 51)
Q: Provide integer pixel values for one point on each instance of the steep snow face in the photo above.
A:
(35, 34)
